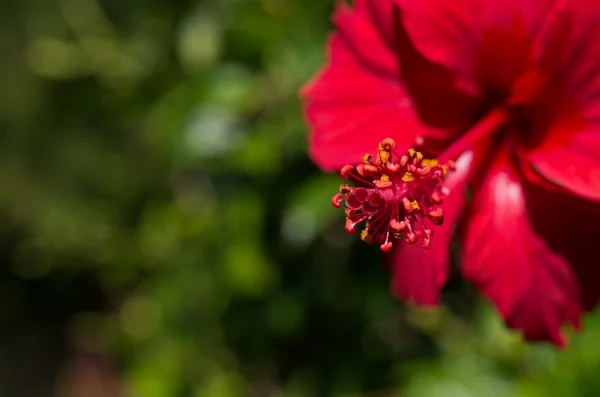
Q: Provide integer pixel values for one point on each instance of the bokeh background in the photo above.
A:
(163, 233)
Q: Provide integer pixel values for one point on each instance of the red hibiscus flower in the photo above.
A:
(510, 90)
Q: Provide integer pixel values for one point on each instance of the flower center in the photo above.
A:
(396, 196)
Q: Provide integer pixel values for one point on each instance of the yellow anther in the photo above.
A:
(430, 162)
(407, 177)
(415, 205)
(414, 153)
(367, 158)
(383, 182)
(385, 156)
(366, 237)
(444, 170)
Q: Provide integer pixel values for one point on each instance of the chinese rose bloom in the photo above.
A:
(510, 90)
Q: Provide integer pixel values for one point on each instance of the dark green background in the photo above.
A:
(163, 233)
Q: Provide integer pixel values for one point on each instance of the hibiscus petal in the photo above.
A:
(350, 106)
(575, 166)
(361, 34)
(573, 235)
(570, 46)
(445, 32)
(568, 154)
(419, 274)
(533, 287)
(379, 13)
(440, 100)
(451, 33)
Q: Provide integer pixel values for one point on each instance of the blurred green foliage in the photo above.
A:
(164, 234)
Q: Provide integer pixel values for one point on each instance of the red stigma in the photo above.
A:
(396, 196)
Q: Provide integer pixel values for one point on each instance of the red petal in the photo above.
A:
(356, 101)
(454, 33)
(419, 274)
(533, 287)
(446, 33)
(439, 99)
(573, 234)
(361, 34)
(569, 46)
(379, 12)
(574, 166)
(568, 153)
